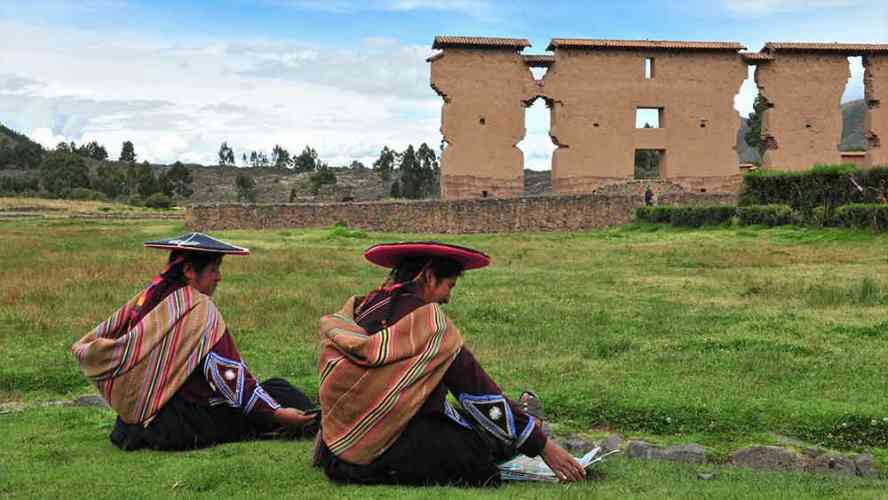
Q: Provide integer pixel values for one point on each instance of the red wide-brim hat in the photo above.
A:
(391, 254)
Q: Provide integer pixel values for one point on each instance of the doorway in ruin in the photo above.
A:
(749, 146)
(537, 147)
(854, 109)
(650, 163)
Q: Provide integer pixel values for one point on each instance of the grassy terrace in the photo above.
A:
(724, 337)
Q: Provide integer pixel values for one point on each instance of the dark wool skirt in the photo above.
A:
(432, 450)
(183, 425)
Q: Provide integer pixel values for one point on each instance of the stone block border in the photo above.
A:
(770, 458)
(532, 213)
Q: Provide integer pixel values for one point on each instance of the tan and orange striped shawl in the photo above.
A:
(138, 369)
(372, 385)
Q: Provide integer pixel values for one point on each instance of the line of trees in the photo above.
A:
(413, 172)
(306, 161)
(65, 173)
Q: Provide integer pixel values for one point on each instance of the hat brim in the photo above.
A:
(389, 255)
(198, 242)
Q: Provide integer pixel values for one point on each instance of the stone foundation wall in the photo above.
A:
(542, 213)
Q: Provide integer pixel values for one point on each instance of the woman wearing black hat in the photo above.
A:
(167, 364)
(387, 362)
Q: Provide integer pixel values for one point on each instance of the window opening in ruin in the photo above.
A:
(649, 163)
(648, 68)
(538, 73)
(482, 121)
(484, 194)
(853, 109)
(648, 117)
(537, 145)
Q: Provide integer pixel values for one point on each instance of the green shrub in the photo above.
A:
(158, 200)
(656, 215)
(860, 215)
(341, 230)
(61, 172)
(84, 194)
(765, 215)
(320, 178)
(246, 188)
(702, 216)
(136, 201)
(823, 186)
(820, 217)
(19, 185)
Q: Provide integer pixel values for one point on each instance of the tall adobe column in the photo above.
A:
(803, 84)
(875, 84)
(484, 83)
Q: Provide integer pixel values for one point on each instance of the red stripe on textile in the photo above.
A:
(174, 346)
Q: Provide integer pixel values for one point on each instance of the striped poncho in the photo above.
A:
(138, 367)
(372, 385)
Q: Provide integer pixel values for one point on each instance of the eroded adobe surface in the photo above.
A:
(875, 80)
(596, 92)
(484, 90)
(804, 123)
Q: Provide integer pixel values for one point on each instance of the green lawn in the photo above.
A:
(717, 336)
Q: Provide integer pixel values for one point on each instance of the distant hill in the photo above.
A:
(745, 152)
(853, 115)
(17, 151)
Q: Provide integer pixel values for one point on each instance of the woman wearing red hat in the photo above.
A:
(387, 363)
(167, 364)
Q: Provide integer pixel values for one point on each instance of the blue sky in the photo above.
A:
(345, 76)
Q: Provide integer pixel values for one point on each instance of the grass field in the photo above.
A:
(47, 205)
(722, 337)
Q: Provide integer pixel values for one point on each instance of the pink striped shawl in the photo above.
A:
(372, 385)
(138, 369)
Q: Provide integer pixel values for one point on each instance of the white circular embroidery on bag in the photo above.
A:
(495, 413)
(229, 374)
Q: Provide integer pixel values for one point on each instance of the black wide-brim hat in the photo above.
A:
(391, 254)
(198, 242)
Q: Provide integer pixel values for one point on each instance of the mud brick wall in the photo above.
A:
(803, 124)
(875, 81)
(482, 120)
(594, 89)
(595, 95)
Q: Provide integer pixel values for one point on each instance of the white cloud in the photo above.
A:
(180, 99)
(760, 7)
(15, 84)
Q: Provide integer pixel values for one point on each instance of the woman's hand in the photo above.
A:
(564, 466)
(291, 417)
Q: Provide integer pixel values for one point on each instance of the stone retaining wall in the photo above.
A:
(538, 213)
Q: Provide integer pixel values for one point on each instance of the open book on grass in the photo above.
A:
(524, 468)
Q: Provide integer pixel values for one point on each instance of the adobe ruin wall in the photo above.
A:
(595, 87)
